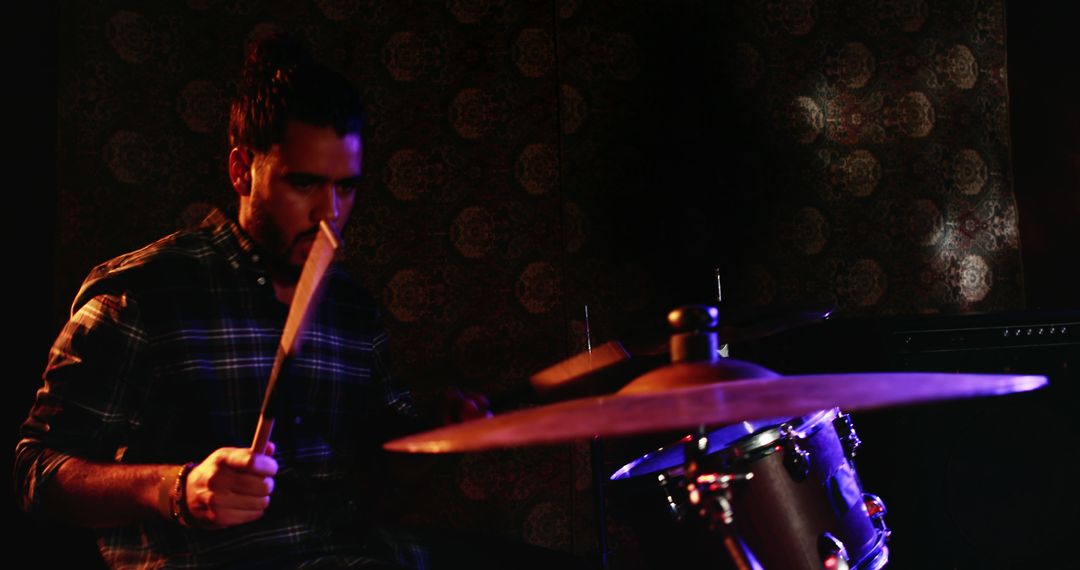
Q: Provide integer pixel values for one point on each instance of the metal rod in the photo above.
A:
(596, 450)
(588, 332)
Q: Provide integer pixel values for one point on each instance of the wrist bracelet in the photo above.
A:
(178, 506)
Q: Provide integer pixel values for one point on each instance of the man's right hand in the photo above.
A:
(231, 486)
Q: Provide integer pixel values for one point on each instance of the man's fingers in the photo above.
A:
(226, 517)
(221, 502)
(462, 405)
(232, 486)
(481, 400)
(253, 485)
(242, 459)
(241, 484)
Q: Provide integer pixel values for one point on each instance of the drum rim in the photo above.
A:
(878, 556)
(756, 444)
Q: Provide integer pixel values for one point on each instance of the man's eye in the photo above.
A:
(348, 187)
(305, 184)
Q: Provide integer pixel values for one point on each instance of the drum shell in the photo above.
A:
(782, 518)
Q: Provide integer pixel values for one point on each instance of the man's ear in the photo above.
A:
(240, 159)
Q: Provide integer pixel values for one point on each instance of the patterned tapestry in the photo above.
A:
(891, 121)
(525, 159)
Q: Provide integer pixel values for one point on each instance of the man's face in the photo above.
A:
(311, 175)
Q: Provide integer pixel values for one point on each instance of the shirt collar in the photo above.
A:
(233, 241)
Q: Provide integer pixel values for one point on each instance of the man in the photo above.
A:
(153, 389)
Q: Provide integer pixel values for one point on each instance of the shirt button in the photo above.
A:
(261, 281)
(297, 420)
(235, 264)
(255, 258)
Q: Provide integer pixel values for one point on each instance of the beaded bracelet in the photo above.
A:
(178, 506)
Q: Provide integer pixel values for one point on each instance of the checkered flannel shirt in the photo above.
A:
(166, 358)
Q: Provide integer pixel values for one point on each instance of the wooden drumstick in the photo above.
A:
(305, 298)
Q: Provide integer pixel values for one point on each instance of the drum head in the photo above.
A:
(674, 456)
(747, 435)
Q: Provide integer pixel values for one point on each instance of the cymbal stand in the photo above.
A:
(723, 351)
(596, 452)
(596, 462)
(711, 493)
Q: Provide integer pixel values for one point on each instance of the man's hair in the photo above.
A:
(281, 82)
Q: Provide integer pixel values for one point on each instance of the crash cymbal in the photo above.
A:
(682, 376)
(734, 324)
(709, 404)
(610, 366)
(785, 315)
(580, 365)
(602, 370)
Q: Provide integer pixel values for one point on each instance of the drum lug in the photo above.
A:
(845, 430)
(674, 509)
(796, 459)
(834, 555)
(875, 509)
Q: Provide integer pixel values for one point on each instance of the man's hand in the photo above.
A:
(459, 405)
(232, 486)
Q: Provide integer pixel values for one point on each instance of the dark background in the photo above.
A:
(615, 157)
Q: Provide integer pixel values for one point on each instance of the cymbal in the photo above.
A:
(609, 366)
(580, 365)
(681, 376)
(739, 324)
(708, 404)
(602, 370)
(735, 324)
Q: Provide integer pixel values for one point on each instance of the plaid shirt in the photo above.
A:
(166, 358)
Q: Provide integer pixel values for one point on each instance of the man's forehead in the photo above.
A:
(310, 144)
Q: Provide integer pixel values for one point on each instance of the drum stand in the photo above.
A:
(711, 493)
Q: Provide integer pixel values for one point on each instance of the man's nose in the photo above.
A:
(329, 207)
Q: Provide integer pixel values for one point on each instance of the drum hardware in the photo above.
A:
(666, 484)
(727, 403)
(875, 508)
(796, 459)
(820, 515)
(605, 368)
(750, 487)
(833, 554)
(724, 350)
(596, 452)
(694, 339)
(848, 438)
(711, 492)
(876, 511)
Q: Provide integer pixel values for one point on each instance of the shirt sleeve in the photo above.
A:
(84, 407)
(398, 401)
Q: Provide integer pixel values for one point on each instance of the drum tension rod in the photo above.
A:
(712, 494)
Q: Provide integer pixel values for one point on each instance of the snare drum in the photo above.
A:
(804, 503)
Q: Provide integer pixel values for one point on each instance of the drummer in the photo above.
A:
(153, 388)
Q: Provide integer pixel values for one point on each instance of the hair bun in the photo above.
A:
(275, 55)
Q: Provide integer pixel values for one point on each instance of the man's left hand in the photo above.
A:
(463, 405)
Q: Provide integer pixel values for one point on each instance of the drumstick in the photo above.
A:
(305, 298)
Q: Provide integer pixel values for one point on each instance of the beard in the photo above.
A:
(272, 241)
